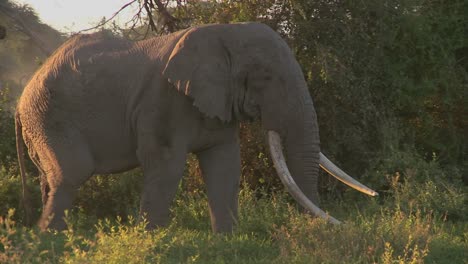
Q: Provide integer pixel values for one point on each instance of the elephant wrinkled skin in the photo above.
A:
(101, 104)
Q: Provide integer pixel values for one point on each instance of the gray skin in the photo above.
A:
(104, 105)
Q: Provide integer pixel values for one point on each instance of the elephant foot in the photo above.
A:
(223, 224)
(52, 222)
(154, 222)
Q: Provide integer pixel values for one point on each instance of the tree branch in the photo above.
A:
(168, 20)
(109, 19)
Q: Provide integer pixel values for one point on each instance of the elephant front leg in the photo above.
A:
(221, 170)
(162, 170)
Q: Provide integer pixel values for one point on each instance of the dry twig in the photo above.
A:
(168, 21)
(109, 19)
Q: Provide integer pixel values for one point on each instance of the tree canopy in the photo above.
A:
(385, 76)
(26, 42)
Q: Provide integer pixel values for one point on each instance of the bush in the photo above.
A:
(385, 76)
(413, 184)
(7, 131)
(109, 196)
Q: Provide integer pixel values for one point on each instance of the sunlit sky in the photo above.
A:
(75, 15)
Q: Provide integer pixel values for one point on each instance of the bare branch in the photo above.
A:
(109, 19)
(168, 20)
(148, 4)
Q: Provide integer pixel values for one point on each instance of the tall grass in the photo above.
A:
(397, 228)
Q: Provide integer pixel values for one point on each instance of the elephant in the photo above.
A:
(102, 104)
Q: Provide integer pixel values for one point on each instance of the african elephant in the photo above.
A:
(102, 104)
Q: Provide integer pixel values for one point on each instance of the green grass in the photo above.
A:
(270, 230)
(421, 216)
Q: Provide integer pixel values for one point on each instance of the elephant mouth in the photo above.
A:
(279, 162)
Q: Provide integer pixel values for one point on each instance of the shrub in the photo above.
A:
(413, 184)
(108, 196)
(7, 131)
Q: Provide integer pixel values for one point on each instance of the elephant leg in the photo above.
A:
(42, 177)
(59, 200)
(221, 170)
(162, 169)
(66, 167)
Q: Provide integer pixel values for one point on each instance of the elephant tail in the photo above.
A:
(20, 150)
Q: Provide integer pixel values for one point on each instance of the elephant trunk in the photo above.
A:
(302, 147)
(286, 178)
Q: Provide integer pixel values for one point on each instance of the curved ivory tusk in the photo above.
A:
(336, 172)
(276, 152)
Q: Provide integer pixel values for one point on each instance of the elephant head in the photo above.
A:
(248, 71)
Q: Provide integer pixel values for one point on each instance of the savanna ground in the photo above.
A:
(412, 222)
(389, 80)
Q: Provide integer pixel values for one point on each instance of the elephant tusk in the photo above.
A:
(336, 172)
(279, 163)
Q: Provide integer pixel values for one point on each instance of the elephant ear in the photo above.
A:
(200, 67)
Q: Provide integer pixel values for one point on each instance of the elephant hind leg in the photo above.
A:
(66, 164)
(42, 177)
(45, 189)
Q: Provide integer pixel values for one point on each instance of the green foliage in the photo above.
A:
(10, 190)
(270, 230)
(28, 42)
(205, 12)
(7, 131)
(21, 245)
(385, 75)
(419, 185)
(257, 168)
(105, 196)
